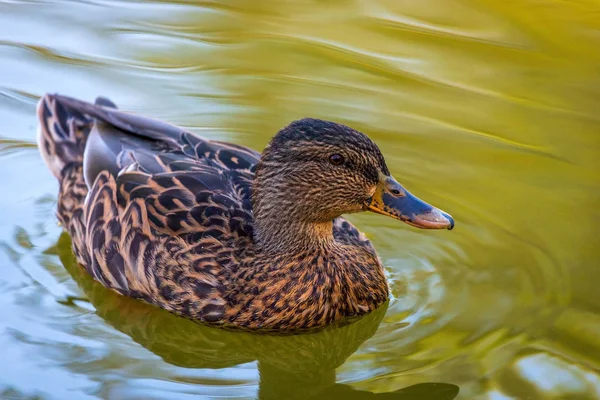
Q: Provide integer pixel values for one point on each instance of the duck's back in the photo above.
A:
(154, 212)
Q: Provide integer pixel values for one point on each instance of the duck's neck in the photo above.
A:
(286, 219)
(281, 234)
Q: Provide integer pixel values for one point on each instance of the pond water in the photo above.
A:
(488, 109)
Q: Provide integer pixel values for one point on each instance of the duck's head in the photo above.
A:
(313, 171)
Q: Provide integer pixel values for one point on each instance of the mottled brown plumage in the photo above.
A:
(217, 232)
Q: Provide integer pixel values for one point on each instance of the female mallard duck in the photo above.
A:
(217, 232)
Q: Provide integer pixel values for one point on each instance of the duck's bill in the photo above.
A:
(393, 200)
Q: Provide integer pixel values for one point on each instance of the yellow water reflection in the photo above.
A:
(488, 109)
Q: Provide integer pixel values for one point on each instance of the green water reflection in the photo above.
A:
(488, 109)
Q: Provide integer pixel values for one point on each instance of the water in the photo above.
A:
(487, 109)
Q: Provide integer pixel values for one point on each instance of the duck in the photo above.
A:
(219, 233)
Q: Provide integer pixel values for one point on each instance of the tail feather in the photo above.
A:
(61, 135)
(103, 101)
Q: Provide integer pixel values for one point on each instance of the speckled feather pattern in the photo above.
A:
(174, 227)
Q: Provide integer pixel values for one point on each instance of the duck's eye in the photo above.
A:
(336, 159)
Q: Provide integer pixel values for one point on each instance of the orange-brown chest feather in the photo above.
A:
(288, 293)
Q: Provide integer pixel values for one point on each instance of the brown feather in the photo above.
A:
(176, 226)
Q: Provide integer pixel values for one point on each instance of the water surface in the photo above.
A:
(487, 109)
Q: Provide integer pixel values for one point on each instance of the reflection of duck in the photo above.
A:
(291, 367)
(217, 232)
